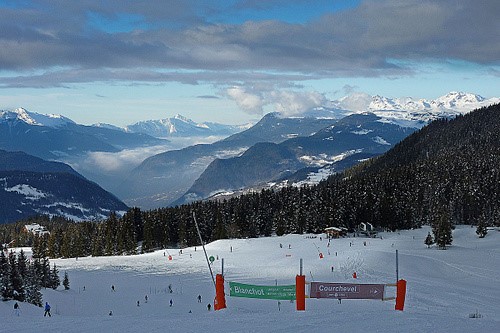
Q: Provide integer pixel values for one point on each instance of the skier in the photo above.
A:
(16, 309)
(171, 302)
(113, 288)
(146, 298)
(47, 310)
(110, 313)
(138, 304)
(209, 306)
(170, 288)
(199, 298)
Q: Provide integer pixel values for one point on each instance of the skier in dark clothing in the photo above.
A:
(209, 306)
(47, 310)
(199, 298)
(16, 309)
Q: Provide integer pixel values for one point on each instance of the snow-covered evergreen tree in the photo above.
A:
(16, 280)
(33, 286)
(429, 240)
(481, 229)
(66, 281)
(54, 278)
(5, 283)
(443, 231)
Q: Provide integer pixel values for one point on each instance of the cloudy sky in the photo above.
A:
(234, 60)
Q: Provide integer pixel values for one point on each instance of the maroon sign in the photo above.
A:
(346, 290)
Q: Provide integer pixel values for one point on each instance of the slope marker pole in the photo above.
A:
(203, 246)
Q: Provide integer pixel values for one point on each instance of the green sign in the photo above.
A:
(212, 259)
(264, 292)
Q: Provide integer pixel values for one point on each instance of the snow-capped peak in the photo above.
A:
(457, 100)
(182, 118)
(411, 112)
(35, 119)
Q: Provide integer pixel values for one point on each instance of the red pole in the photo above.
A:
(220, 297)
(400, 295)
(300, 292)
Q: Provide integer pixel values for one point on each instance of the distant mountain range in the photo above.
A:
(178, 126)
(381, 124)
(55, 137)
(408, 112)
(273, 152)
(163, 178)
(31, 186)
(356, 137)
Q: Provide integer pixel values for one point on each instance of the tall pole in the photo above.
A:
(397, 266)
(203, 246)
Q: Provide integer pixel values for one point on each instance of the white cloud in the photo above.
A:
(249, 102)
(357, 101)
(293, 103)
(286, 102)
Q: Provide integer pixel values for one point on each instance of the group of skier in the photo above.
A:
(171, 302)
(17, 310)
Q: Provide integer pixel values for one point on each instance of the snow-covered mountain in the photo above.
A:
(411, 112)
(351, 139)
(56, 137)
(342, 144)
(31, 186)
(164, 177)
(180, 126)
(33, 118)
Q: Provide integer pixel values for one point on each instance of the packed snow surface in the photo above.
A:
(445, 287)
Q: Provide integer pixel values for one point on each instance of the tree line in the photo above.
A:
(22, 279)
(445, 174)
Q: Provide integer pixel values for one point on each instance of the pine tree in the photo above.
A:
(443, 231)
(33, 286)
(66, 281)
(429, 240)
(5, 283)
(17, 283)
(481, 229)
(54, 278)
(22, 264)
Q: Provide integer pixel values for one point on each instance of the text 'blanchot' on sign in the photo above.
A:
(263, 292)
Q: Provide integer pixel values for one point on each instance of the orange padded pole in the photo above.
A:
(220, 297)
(300, 292)
(400, 295)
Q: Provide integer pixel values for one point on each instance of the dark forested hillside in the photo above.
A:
(449, 167)
(448, 171)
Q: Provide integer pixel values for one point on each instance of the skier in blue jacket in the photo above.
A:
(47, 310)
